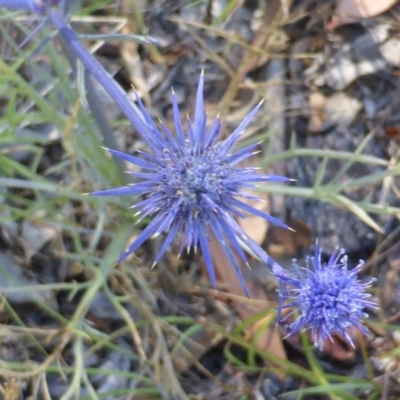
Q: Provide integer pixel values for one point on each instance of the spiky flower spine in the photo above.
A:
(328, 298)
(193, 185)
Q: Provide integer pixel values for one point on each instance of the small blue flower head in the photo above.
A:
(329, 298)
(191, 184)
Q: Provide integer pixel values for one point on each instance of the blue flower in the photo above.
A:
(191, 184)
(329, 299)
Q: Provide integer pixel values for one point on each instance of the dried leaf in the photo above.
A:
(317, 118)
(339, 349)
(286, 243)
(12, 390)
(269, 339)
(349, 11)
(255, 226)
(265, 333)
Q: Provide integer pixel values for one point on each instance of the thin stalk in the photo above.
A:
(71, 40)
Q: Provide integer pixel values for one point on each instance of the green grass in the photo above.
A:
(31, 193)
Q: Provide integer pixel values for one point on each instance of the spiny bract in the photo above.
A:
(192, 185)
(329, 298)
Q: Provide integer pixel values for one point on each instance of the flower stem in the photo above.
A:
(96, 69)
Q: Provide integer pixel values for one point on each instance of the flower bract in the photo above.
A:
(191, 183)
(328, 298)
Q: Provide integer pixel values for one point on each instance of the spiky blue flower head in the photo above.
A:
(329, 298)
(192, 184)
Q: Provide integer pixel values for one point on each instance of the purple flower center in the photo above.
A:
(194, 181)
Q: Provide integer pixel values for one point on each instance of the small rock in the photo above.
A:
(360, 58)
(339, 109)
(12, 277)
(390, 50)
(37, 234)
(346, 71)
